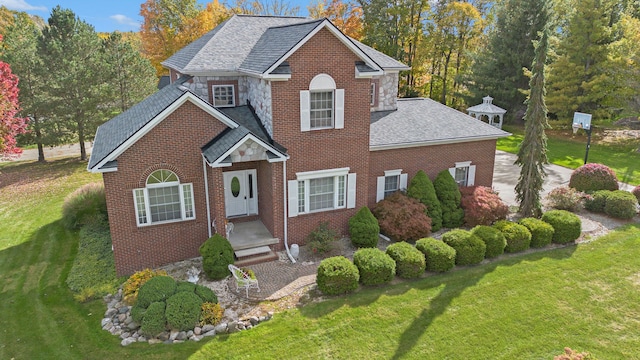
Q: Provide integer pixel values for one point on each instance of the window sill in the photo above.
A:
(320, 211)
(164, 222)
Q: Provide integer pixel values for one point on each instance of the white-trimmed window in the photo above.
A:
(463, 173)
(223, 95)
(372, 94)
(163, 199)
(322, 106)
(392, 181)
(322, 190)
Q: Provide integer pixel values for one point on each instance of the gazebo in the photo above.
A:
(489, 110)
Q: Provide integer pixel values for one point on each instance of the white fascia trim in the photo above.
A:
(393, 172)
(342, 37)
(434, 142)
(187, 96)
(97, 170)
(321, 173)
(276, 77)
(213, 73)
(368, 75)
(218, 162)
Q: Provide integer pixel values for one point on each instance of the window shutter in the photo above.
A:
(339, 116)
(471, 177)
(305, 114)
(351, 191)
(293, 197)
(452, 171)
(380, 189)
(403, 181)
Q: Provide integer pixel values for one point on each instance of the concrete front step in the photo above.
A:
(256, 259)
(252, 251)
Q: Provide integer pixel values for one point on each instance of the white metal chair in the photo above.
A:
(243, 280)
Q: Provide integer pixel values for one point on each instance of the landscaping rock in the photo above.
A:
(181, 335)
(254, 320)
(196, 338)
(155, 341)
(210, 333)
(174, 335)
(208, 328)
(221, 328)
(197, 330)
(127, 341)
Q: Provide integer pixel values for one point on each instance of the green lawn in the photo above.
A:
(526, 306)
(569, 152)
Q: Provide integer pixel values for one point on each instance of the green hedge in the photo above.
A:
(157, 289)
(541, 232)
(364, 229)
(410, 262)
(621, 204)
(439, 256)
(596, 201)
(183, 311)
(567, 226)
(492, 238)
(337, 275)
(375, 267)
(469, 248)
(206, 294)
(518, 236)
(217, 255)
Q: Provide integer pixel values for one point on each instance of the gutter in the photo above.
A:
(284, 197)
(206, 192)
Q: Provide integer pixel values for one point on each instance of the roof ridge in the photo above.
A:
(270, 16)
(297, 24)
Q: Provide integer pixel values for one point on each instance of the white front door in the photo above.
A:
(240, 192)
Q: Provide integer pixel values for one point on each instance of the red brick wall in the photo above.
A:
(173, 144)
(433, 159)
(323, 149)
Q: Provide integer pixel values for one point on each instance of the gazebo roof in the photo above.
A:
(486, 107)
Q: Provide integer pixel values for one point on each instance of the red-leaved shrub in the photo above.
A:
(482, 206)
(402, 218)
(636, 192)
(592, 177)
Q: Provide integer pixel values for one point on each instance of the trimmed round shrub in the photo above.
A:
(375, 267)
(84, 205)
(439, 256)
(469, 248)
(410, 262)
(402, 218)
(185, 286)
(636, 193)
(566, 226)
(137, 313)
(592, 177)
(541, 232)
(482, 206)
(517, 236)
(421, 188)
(154, 321)
(217, 255)
(565, 198)
(337, 275)
(449, 195)
(364, 229)
(621, 205)
(206, 294)
(492, 238)
(158, 288)
(183, 311)
(596, 201)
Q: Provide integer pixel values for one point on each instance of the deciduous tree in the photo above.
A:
(346, 16)
(10, 123)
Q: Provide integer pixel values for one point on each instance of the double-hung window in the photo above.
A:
(391, 182)
(163, 199)
(321, 190)
(322, 106)
(463, 173)
(321, 109)
(223, 95)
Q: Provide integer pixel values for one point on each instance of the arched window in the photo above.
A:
(163, 199)
(322, 106)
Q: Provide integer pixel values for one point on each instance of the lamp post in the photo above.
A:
(586, 154)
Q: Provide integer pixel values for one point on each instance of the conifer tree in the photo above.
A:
(449, 195)
(421, 188)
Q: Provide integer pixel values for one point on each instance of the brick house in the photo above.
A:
(275, 124)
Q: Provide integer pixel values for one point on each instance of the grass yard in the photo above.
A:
(569, 152)
(527, 306)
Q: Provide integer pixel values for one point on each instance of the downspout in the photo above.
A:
(284, 187)
(206, 191)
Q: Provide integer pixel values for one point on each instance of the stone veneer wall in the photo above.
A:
(259, 95)
(198, 85)
(387, 92)
(249, 151)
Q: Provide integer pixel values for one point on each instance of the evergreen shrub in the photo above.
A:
(402, 218)
(185, 286)
(621, 204)
(517, 236)
(592, 177)
(492, 238)
(206, 294)
(595, 202)
(183, 311)
(469, 248)
(217, 255)
(410, 262)
(375, 267)
(337, 275)
(439, 256)
(364, 229)
(154, 321)
(156, 289)
(541, 232)
(448, 193)
(210, 313)
(482, 206)
(566, 226)
(134, 282)
(322, 238)
(421, 188)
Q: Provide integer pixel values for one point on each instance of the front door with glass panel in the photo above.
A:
(240, 192)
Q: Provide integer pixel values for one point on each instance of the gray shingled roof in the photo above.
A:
(423, 121)
(274, 44)
(116, 131)
(253, 43)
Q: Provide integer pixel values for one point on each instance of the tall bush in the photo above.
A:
(469, 248)
(375, 267)
(402, 218)
(439, 256)
(364, 229)
(567, 226)
(217, 255)
(448, 193)
(421, 188)
(410, 262)
(337, 275)
(84, 205)
(492, 238)
(592, 177)
(482, 206)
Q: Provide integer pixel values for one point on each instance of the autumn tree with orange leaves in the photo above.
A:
(346, 16)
